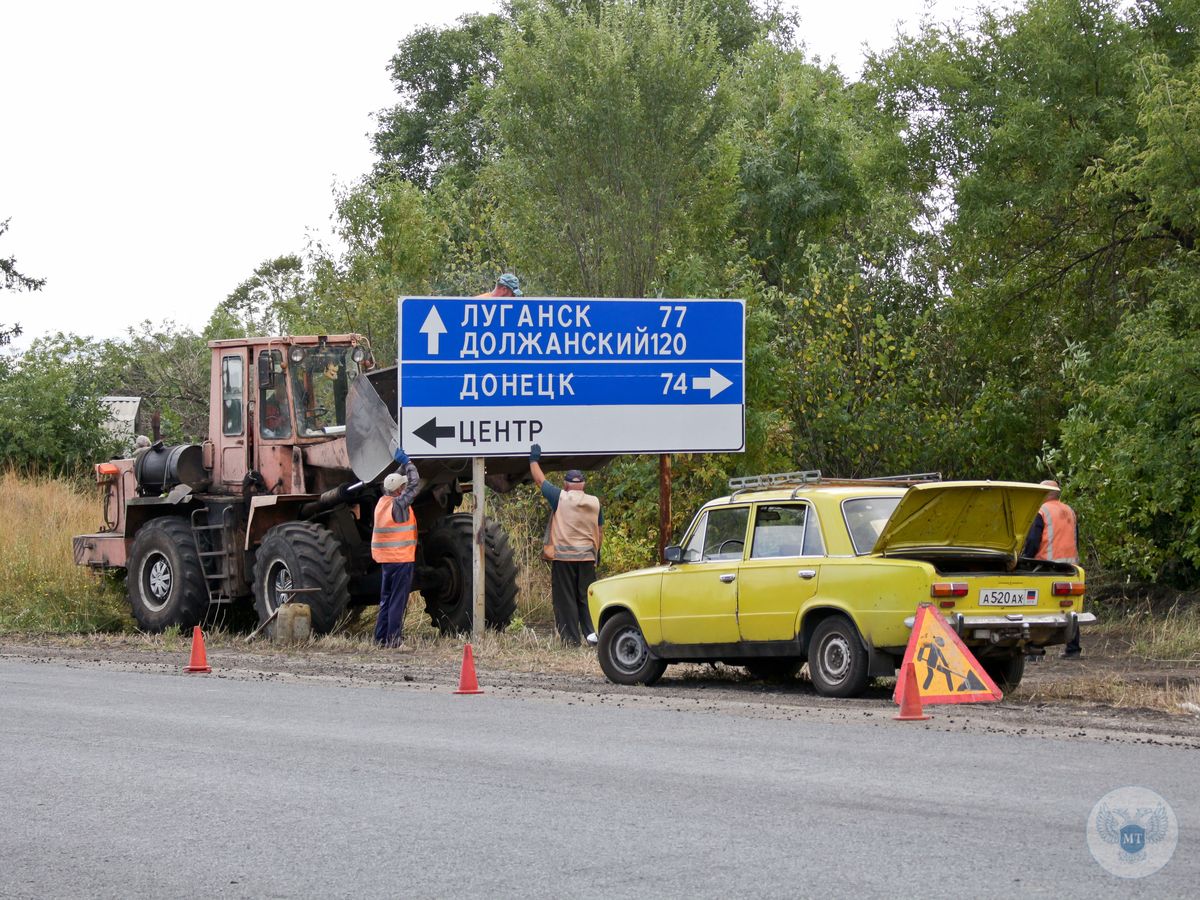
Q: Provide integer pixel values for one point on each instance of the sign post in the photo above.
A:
(477, 549)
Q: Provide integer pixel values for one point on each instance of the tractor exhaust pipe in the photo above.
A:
(343, 493)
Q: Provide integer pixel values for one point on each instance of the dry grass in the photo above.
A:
(1170, 637)
(43, 589)
(1118, 692)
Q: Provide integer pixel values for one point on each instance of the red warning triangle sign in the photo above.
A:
(947, 672)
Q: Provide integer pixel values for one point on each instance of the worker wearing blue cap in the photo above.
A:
(507, 285)
(572, 544)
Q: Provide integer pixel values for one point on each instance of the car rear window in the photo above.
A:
(865, 518)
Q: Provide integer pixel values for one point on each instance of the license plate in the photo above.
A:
(1008, 597)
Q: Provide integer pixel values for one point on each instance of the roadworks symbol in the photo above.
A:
(947, 672)
(1132, 832)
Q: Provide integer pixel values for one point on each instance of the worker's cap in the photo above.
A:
(1051, 484)
(393, 482)
(509, 280)
(574, 476)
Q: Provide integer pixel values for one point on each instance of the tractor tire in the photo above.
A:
(450, 602)
(302, 555)
(165, 581)
(1007, 672)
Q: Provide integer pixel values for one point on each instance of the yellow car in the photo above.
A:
(796, 568)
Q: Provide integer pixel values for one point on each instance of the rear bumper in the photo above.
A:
(1016, 628)
(99, 551)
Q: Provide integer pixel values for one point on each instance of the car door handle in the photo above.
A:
(728, 577)
(807, 573)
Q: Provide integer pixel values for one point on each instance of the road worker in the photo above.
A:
(1054, 536)
(572, 544)
(507, 285)
(394, 546)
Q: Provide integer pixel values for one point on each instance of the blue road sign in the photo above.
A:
(489, 376)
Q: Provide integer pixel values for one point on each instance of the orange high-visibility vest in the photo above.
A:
(573, 534)
(1058, 533)
(392, 542)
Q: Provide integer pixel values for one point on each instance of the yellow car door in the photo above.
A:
(781, 572)
(699, 594)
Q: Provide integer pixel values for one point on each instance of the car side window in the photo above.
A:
(725, 534)
(778, 530)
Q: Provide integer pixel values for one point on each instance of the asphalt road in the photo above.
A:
(134, 784)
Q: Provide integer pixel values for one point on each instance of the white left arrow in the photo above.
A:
(433, 328)
(714, 383)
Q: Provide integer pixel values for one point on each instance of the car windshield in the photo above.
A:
(320, 382)
(865, 518)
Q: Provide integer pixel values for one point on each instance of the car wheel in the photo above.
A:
(1007, 672)
(780, 669)
(624, 654)
(837, 659)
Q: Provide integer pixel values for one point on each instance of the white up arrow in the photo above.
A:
(715, 383)
(433, 328)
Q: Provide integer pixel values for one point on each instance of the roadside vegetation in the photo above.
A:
(42, 588)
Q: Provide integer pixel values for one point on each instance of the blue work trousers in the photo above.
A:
(393, 601)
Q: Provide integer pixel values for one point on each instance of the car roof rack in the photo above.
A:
(799, 480)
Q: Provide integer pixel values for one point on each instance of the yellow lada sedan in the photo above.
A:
(796, 568)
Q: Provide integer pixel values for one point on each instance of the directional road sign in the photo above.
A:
(489, 376)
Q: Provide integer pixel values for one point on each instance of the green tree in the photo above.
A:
(168, 367)
(608, 143)
(442, 77)
(13, 280)
(264, 303)
(51, 418)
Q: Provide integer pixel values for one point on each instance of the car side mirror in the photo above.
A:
(673, 554)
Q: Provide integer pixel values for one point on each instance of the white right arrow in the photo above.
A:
(433, 328)
(715, 383)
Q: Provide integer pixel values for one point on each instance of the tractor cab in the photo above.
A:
(271, 394)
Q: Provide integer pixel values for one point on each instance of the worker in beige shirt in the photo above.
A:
(572, 545)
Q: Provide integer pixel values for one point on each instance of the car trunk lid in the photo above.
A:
(990, 517)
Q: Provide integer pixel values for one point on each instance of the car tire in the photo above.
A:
(164, 580)
(782, 668)
(624, 654)
(837, 659)
(1007, 672)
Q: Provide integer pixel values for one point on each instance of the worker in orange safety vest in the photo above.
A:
(1054, 536)
(394, 546)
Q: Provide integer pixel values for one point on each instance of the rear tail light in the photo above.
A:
(1066, 604)
(946, 604)
(105, 471)
(949, 589)
(1067, 588)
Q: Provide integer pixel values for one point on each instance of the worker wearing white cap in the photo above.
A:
(394, 547)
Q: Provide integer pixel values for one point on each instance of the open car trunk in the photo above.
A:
(961, 524)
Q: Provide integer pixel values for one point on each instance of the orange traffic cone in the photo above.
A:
(910, 697)
(199, 661)
(467, 682)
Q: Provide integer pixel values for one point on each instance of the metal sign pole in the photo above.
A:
(477, 546)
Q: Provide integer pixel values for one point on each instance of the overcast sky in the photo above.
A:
(153, 153)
